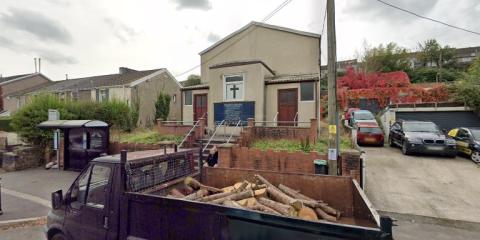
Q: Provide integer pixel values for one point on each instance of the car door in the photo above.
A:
(86, 215)
(463, 141)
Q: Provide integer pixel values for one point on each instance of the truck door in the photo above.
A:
(86, 215)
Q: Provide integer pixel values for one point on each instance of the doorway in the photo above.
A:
(287, 106)
(200, 106)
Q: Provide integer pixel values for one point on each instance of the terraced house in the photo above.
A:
(139, 89)
(261, 71)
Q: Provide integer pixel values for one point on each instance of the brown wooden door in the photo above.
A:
(200, 106)
(287, 105)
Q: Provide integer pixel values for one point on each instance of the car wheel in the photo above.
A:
(59, 236)
(475, 156)
(405, 149)
(390, 142)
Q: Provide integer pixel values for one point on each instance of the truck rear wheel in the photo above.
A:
(59, 236)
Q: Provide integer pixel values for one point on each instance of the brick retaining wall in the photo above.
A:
(179, 129)
(116, 147)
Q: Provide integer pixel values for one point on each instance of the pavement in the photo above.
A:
(435, 197)
(25, 196)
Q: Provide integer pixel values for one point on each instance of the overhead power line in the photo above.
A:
(266, 18)
(430, 19)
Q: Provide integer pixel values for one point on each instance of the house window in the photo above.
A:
(102, 95)
(188, 98)
(307, 91)
(233, 87)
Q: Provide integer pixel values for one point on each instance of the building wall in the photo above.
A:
(253, 83)
(284, 52)
(147, 93)
(188, 109)
(306, 109)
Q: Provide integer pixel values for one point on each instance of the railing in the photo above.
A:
(182, 122)
(213, 135)
(275, 118)
(231, 134)
(191, 130)
(286, 123)
(295, 119)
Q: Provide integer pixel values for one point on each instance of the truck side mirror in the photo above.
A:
(57, 199)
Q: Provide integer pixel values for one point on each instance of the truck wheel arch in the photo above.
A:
(51, 232)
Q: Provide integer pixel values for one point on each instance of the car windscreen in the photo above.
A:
(363, 116)
(370, 130)
(475, 134)
(420, 127)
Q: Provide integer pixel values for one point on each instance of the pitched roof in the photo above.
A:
(29, 90)
(259, 24)
(5, 79)
(99, 81)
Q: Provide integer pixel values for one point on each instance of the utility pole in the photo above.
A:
(332, 90)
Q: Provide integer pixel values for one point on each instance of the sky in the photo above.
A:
(94, 37)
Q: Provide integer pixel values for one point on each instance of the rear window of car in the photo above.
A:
(369, 130)
(363, 116)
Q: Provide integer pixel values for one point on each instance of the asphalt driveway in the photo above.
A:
(429, 186)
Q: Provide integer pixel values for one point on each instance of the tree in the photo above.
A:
(468, 89)
(432, 54)
(192, 80)
(388, 58)
(162, 106)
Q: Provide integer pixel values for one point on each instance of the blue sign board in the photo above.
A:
(231, 112)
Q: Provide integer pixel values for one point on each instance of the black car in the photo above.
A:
(421, 137)
(468, 142)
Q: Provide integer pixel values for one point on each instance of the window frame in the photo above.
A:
(313, 92)
(185, 97)
(224, 77)
(107, 193)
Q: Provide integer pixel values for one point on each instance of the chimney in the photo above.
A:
(39, 65)
(35, 61)
(123, 70)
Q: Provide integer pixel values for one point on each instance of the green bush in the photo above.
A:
(162, 106)
(148, 137)
(428, 75)
(25, 121)
(5, 124)
(294, 145)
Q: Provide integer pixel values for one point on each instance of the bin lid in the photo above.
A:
(320, 162)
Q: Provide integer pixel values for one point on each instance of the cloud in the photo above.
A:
(374, 10)
(120, 30)
(212, 37)
(50, 55)
(193, 4)
(36, 24)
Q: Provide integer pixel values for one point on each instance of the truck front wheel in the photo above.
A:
(59, 236)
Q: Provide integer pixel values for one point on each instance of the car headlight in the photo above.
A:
(450, 141)
(414, 140)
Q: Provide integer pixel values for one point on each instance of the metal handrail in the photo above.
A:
(296, 117)
(179, 121)
(188, 134)
(231, 134)
(275, 118)
(194, 126)
(213, 135)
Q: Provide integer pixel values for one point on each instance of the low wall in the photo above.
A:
(233, 156)
(179, 129)
(253, 132)
(21, 157)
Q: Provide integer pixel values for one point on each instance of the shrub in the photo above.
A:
(162, 106)
(5, 124)
(25, 121)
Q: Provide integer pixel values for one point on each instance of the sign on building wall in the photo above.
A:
(232, 112)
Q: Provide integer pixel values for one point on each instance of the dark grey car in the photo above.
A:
(421, 137)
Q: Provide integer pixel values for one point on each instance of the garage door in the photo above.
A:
(446, 120)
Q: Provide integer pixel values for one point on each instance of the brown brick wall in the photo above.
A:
(182, 130)
(116, 147)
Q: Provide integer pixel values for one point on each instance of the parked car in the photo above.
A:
(348, 115)
(468, 142)
(369, 133)
(421, 137)
(362, 116)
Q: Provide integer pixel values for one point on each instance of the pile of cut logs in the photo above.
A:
(259, 195)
